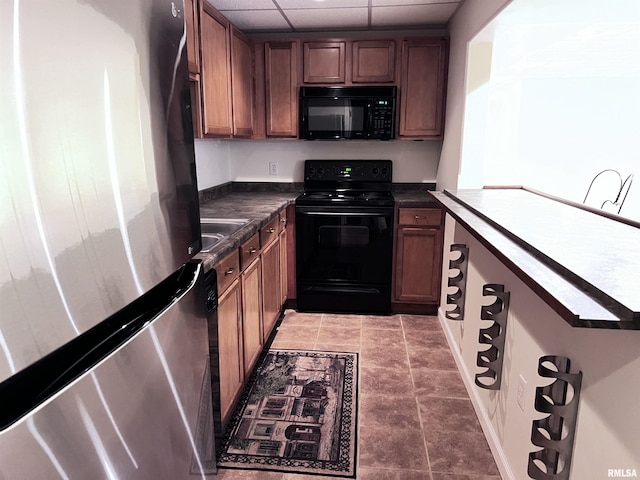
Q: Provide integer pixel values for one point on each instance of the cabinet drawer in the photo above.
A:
(249, 250)
(228, 270)
(420, 216)
(269, 232)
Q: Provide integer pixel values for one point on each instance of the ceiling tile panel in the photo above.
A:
(257, 20)
(300, 4)
(379, 3)
(243, 4)
(329, 18)
(412, 15)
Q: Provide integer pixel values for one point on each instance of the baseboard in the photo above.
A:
(485, 422)
(414, 308)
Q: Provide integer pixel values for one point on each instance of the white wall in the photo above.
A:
(466, 23)
(221, 161)
(212, 163)
(607, 424)
(561, 100)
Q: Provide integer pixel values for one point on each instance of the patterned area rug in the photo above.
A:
(298, 414)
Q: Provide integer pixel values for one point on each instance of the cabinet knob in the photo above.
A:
(283, 220)
(416, 217)
(271, 230)
(229, 271)
(253, 250)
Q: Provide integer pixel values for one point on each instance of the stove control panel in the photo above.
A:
(348, 170)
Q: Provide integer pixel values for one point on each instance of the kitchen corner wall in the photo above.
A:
(221, 161)
(466, 23)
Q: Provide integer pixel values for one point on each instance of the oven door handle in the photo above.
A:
(344, 214)
(344, 290)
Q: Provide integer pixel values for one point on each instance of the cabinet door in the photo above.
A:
(192, 27)
(281, 89)
(423, 87)
(230, 347)
(270, 287)
(323, 62)
(251, 280)
(241, 84)
(196, 104)
(215, 75)
(374, 61)
(283, 266)
(418, 259)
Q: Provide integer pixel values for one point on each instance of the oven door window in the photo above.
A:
(335, 117)
(344, 248)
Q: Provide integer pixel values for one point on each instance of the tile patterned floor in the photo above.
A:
(415, 419)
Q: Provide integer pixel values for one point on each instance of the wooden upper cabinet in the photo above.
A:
(423, 87)
(281, 88)
(373, 61)
(192, 27)
(216, 73)
(324, 62)
(241, 84)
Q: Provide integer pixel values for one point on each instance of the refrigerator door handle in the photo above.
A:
(41, 381)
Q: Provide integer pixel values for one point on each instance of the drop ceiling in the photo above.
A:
(264, 16)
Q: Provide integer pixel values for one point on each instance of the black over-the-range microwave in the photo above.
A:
(365, 113)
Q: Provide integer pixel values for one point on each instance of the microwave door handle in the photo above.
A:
(369, 118)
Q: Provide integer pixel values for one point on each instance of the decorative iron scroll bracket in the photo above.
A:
(459, 281)
(491, 359)
(555, 433)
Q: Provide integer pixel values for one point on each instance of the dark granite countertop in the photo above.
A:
(413, 194)
(259, 202)
(257, 206)
(582, 264)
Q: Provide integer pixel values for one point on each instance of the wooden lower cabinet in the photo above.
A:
(251, 280)
(418, 265)
(271, 299)
(283, 266)
(249, 305)
(230, 347)
(418, 256)
(283, 257)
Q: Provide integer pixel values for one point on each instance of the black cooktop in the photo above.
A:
(347, 197)
(347, 182)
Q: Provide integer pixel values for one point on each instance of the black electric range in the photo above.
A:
(344, 236)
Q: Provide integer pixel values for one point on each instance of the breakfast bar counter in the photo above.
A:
(580, 263)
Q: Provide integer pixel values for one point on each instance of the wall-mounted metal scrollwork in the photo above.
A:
(491, 359)
(459, 281)
(555, 433)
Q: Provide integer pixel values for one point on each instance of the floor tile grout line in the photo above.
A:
(424, 433)
(406, 332)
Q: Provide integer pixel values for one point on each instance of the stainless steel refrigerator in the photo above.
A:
(103, 325)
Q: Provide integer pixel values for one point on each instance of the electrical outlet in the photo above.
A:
(273, 168)
(522, 387)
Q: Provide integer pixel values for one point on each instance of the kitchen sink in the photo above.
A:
(210, 241)
(214, 230)
(224, 226)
